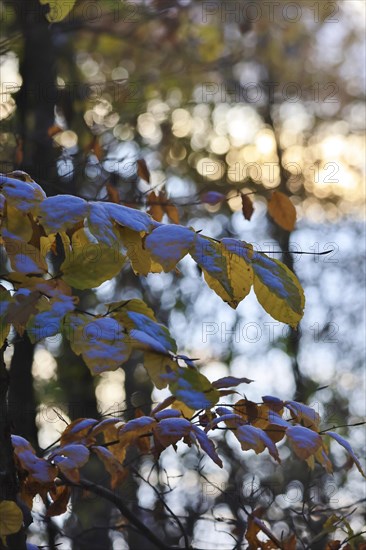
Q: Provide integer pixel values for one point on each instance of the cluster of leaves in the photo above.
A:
(58, 243)
(257, 426)
(280, 207)
(94, 240)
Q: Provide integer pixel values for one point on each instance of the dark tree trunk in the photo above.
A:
(77, 385)
(8, 477)
(22, 400)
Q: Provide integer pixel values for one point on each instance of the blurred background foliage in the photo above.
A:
(227, 96)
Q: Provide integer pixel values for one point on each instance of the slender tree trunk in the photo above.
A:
(77, 384)
(22, 400)
(8, 477)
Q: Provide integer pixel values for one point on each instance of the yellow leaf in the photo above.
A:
(23, 257)
(192, 388)
(58, 10)
(140, 258)
(156, 365)
(185, 411)
(168, 244)
(282, 211)
(118, 310)
(18, 223)
(6, 300)
(89, 264)
(278, 290)
(101, 342)
(226, 268)
(11, 518)
(304, 442)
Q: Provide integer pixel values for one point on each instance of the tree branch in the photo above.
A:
(119, 503)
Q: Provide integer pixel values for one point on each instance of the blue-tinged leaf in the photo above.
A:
(156, 331)
(24, 195)
(277, 289)
(102, 342)
(59, 213)
(304, 442)
(168, 244)
(348, 448)
(129, 217)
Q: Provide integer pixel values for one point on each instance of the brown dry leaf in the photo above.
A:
(79, 431)
(60, 496)
(69, 459)
(113, 195)
(53, 130)
(247, 206)
(95, 147)
(282, 211)
(160, 205)
(247, 409)
(172, 212)
(155, 210)
(290, 543)
(117, 472)
(19, 154)
(142, 170)
(255, 526)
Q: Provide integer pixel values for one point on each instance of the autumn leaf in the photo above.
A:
(6, 300)
(277, 289)
(89, 263)
(142, 170)
(225, 267)
(69, 458)
(230, 381)
(168, 244)
(160, 205)
(348, 448)
(53, 130)
(172, 212)
(23, 195)
(254, 438)
(22, 305)
(102, 341)
(47, 321)
(60, 498)
(55, 218)
(38, 469)
(282, 210)
(303, 414)
(113, 193)
(213, 197)
(192, 387)
(117, 472)
(157, 366)
(18, 223)
(78, 431)
(303, 441)
(156, 209)
(58, 10)
(11, 518)
(247, 206)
